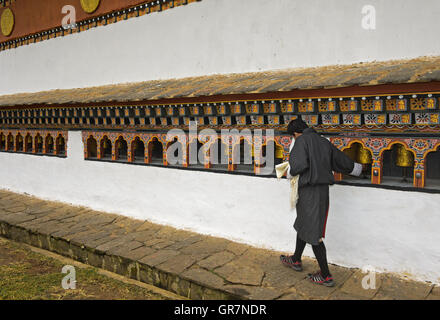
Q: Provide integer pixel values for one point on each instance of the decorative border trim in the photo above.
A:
(326, 115)
(420, 147)
(102, 20)
(50, 142)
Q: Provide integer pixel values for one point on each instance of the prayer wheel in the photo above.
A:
(352, 151)
(20, 139)
(404, 158)
(363, 156)
(279, 152)
(105, 144)
(39, 139)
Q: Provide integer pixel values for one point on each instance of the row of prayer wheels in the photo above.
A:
(403, 157)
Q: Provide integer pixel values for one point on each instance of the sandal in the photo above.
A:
(288, 262)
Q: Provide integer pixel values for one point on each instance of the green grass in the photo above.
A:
(26, 275)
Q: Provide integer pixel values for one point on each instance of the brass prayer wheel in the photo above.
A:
(104, 144)
(352, 151)
(49, 140)
(39, 139)
(363, 156)
(279, 152)
(20, 139)
(404, 158)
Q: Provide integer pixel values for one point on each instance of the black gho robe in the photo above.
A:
(315, 158)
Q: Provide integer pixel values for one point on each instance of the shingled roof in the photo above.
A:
(423, 69)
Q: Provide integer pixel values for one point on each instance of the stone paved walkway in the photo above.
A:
(186, 263)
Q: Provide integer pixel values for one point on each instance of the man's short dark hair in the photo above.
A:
(297, 125)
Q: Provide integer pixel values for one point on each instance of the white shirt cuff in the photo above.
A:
(357, 170)
(288, 176)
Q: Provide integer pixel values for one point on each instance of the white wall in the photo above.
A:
(390, 230)
(224, 36)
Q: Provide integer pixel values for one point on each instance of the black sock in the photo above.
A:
(300, 245)
(321, 255)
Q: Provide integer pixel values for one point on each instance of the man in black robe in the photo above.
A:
(314, 159)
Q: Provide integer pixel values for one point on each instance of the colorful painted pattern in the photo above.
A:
(42, 142)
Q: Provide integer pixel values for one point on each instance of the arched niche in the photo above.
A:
(397, 165)
(243, 156)
(155, 151)
(175, 152)
(19, 143)
(121, 149)
(137, 150)
(432, 169)
(2, 142)
(38, 144)
(218, 154)
(92, 148)
(106, 148)
(50, 148)
(271, 153)
(10, 142)
(196, 154)
(60, 145)
(360, 154)
(28, 145)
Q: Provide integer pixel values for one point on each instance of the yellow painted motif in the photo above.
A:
(406, 118)
(401, 105)
(356, 119)
(352, 105)
(89, 6)
(7, 22)
(381, 119)
(331, 106)
(430, 103)
(377, 105)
